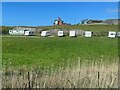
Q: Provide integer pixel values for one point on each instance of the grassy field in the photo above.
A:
(46, 51)
(60, 62)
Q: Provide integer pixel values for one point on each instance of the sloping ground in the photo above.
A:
(94, 28)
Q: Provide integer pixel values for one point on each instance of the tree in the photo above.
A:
(5, 29)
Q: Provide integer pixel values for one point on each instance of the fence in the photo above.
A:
(90, 74)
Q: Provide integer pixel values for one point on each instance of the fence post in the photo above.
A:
(28, 80)
(98, 79)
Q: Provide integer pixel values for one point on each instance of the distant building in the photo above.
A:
(111, 21)
(100, 22)
(59, 22)
(94, 22)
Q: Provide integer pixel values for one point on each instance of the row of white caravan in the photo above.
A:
(111, 34)
(61, 33)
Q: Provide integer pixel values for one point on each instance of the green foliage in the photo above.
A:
(5, 29)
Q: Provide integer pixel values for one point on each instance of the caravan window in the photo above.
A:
(112, 33)
(11, 31)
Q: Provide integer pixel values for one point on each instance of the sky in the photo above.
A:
(60, 0)
(44, 13)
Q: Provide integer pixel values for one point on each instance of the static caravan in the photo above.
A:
(45, 33)
(88, 34)
(16, 32)
(72, 33)
(60, 33)
(118, 34)
(112, 34)
(29, 33)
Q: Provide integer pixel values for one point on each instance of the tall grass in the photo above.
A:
(89, 74)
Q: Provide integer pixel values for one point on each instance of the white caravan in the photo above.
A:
(29, 33)
(60, 33)
(88, 34)
(72, 33)
(45, 33)
(16, 32)
(118, 34)
(112, 34)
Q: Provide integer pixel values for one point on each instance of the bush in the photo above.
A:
(5, 29)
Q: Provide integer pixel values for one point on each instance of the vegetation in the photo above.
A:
(5, 29)
(94, 28)
(85, 75)
(61, 62)
(46, 51)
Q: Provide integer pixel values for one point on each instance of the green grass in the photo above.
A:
(94, 28)
(48, 51)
